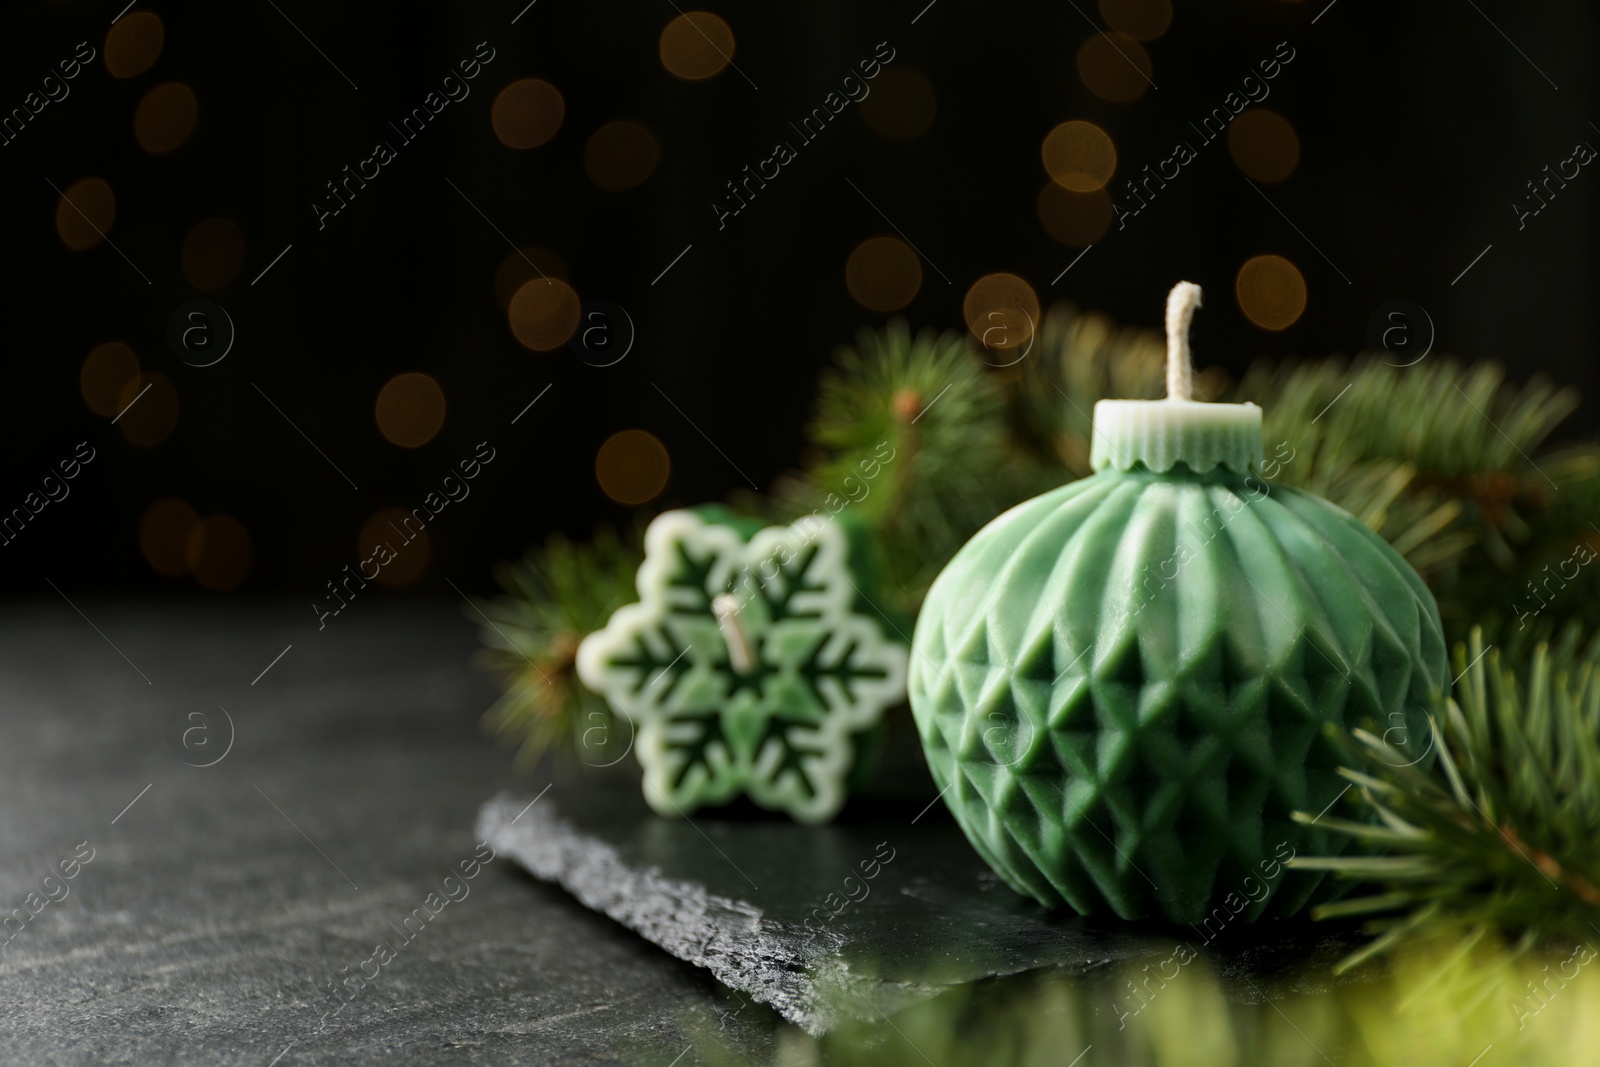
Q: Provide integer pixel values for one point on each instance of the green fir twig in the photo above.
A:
(1500, 835)
(555, 596)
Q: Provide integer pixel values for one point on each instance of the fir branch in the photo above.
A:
(1081, 358)
(556, 596)
(1444, 461)
(924, 402)
(1500, 837)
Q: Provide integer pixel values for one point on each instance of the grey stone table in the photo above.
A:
(221, 902)
(230, 838)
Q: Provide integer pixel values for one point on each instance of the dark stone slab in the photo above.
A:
(208, 924)
(747, 898)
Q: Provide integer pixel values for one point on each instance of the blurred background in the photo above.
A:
(550, 223)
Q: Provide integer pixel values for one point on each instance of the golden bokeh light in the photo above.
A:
(527, 113)
(149, 421)
(696, 46)
(543, 313)
(632, 467)
(165, 117)
(901, 105)
(620, 155)
(1074, 219)
(106, 373)
(1115, 67)
(164, 531)
(212, 254)
(1079, 155)
(1002, 311)
(523, 266)
(1263, 144)
(410, 409)
(883, 274)
(133, 44)
(219, 553)
(1144, 19)
(84, 213)
(407, 549)
(1271, 292)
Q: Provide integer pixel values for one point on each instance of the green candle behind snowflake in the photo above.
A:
(749, 665)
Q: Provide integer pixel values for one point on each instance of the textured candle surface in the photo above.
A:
(1122, 685)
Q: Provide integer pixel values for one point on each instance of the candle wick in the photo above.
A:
(1181, 302)
(725, 606)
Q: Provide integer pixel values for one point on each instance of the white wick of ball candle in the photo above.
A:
(725, 606)
(1158, 435)
(1181, 302)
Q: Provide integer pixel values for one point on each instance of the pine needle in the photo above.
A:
(1504, 829)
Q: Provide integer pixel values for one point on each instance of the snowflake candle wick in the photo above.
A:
(726, 608)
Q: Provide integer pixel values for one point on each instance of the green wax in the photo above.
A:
(1123, 684)
(749, 665)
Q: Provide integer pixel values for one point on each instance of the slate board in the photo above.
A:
(207, 925)
(733, 895)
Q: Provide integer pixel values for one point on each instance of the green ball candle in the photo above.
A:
(1122, 686)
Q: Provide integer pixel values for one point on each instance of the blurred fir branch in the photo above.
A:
(1444, 461)
(555, 596)
(1500, 836)
(953, 467)
(1081, 358)
(1441, 1003)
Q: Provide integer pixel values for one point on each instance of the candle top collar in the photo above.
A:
(1158, 435)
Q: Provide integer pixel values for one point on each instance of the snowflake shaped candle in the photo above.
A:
(748, 665)
(1123, 685)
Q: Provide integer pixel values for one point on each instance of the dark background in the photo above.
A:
(1418, 125)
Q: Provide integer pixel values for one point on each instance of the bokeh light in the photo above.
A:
(84, 213)
(527, 113)
(1115, 67)
(151, 420)
(1144, 19)
(164, 531)
(1001, 310)
(620, 155)
(543, 313)
(408, 546)
(523, 266)
(410, 409)
(1263, 144)
(883, 274)
(901, 105)
(696, 46)
(133, 44)
(1271, 292)
(212, 254)
(1079, 155)
(1074, 219)
(106, 372)
(632, 467)
(165, 117)
(219, 553)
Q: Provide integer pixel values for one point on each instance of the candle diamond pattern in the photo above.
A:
(746, 665)
(1135, 747)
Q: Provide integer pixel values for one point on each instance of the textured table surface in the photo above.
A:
(220, 905)
(275, 813)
